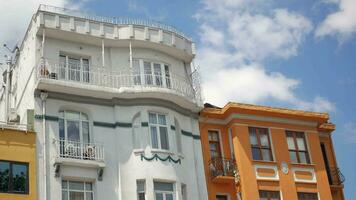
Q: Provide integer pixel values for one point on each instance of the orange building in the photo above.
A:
(256, 152)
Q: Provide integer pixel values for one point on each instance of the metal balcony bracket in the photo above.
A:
(100, 173)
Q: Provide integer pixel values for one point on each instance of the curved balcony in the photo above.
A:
(120, 82)
(223, 170)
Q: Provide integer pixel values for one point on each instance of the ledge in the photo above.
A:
(79, 163)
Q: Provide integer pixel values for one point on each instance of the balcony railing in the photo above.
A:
(80, 150)
(336, 177)
(222, 167)
(97, 76)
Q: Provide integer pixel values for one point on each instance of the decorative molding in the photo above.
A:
(310, 170)
(144, 124)
(274, 168)
(157, 157)
(46, 117)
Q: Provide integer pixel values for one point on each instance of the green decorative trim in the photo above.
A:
(157, 157)
(47, 117)
(173, 128)
(144, 124)
(189, 134)
(123, 124)
(104, 124)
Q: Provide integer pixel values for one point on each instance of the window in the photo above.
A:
(14, 177)
(260, 144)
(151, 73)
(184, 191)
(73, 68)
(221, 197)
(159, 131)
(214, 144)
(307, 196)
(298, 150)
(163, 191)
(136, 128)
(178, 136)
(74, 126)
(140, 184)
(77, 190)
(269, 195)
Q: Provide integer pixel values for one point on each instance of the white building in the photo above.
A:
(116, 105)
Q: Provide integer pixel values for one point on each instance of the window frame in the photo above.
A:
(141, 78)
(144, 188)
(10, 183)
(269, 194)
(66, 67)
(296, 150)
(80, 120)
(157, 126)
(71, 190)
(164, 192)
(221, 153)
(314, 193)
(259, 146)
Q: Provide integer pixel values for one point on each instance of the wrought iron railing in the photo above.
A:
(112, 20)
(222, 167)
(336, 177)
(99, 76)
(80, 150)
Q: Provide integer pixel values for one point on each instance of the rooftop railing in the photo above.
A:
(112, 20)
(98, 76)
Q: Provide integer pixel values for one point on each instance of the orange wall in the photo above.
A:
(19, 146)
(249, 185)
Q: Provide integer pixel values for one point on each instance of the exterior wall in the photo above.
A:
(252, 181)
(123, 162)
(20, 146)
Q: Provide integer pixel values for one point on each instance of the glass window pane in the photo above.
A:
(169, 196)
(76, 195)
(85, 130)
(148, 72)
(62, 67)
(162, 186)
(72, 115)
(304, 158)
(84, 116)
(4, 176)
(164, 138)
(61, 128)
(253, 138)
(264, 139)
(88, 186)
(64, 195)
(154, 138)
(19, 178)
(73, 130)
(266, 154)
(301, 144)
(290, 141)
(74, 185)
(89, 196)
(213, 136)
(152, 118)
(158, 73)
(256, 154)
(140, 186)
(159, 196)
(64, 184)
(293, 157)
(162, 119)
(141, 196)
(137, 72)
(168, 76)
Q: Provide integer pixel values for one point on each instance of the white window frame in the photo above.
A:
(158, 130)
(80, 120)
(66, 67)
(83, 191)
(164, 193)
(144, 188)
(163, 73)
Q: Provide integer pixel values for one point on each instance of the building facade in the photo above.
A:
(116, 105)
(257, 152)
(17, 162)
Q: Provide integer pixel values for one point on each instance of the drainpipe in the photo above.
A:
(7, 90)
(43, 98)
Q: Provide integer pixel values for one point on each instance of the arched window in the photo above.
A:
(136, 128)
(178, 136)
(74, 126)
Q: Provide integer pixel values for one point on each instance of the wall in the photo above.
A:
(20, 146)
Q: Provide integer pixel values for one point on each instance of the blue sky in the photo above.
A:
(296, 53)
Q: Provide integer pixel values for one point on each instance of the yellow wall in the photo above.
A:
(19, 146)
(249, 185)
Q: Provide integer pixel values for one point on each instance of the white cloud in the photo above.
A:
(341, 23)
(237, 37)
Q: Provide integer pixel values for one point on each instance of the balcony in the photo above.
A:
(223, 170)
(336, 178)
(120, 84)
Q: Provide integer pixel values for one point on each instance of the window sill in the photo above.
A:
(162, 151)
(302, 165)
(138, 151)
(264, 162)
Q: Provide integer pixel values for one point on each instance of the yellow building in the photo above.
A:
(17, 163)
(257, 152)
